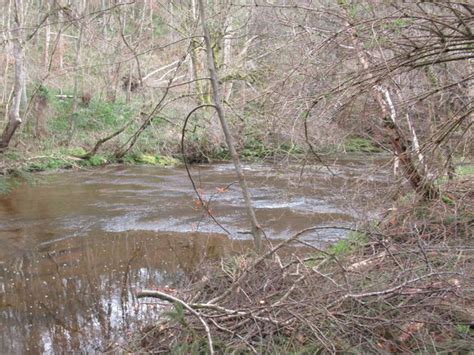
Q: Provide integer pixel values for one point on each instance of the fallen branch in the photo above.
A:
(165, 297)
(389, 290)
(267, 255)
(366, 263)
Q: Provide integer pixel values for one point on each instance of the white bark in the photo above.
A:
(382, 96)
(18, 54)
(8, 49)
(14, 118)
(227, 55)
(60, 42)
(393, 117)
(47, 35)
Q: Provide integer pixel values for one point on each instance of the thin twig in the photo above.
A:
(166, 297)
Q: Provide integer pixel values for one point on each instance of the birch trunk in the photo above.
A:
(6, 38)
(216, 95)
(60, 41)
(418, 181)
(46, 40)
(14, 119)
(227, 56)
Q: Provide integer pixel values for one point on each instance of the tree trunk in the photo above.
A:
(256, 229)
(194, 72)
(46, 40)
(194, 62)
(6, 37)
(418, 181)
(60, 42)
(14, 119)
(227, 57)
(77, 78)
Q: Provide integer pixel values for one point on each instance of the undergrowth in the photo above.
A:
(360, 145)
(403, 286)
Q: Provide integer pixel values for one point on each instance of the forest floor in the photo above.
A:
(403, 285)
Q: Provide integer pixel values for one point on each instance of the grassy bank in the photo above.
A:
(402, 286)
(18, 170)
(54, 136)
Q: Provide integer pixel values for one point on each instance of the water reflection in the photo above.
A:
(74, 250)
(78, 294)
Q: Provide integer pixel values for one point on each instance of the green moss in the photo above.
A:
(167, 161)
(50, 163)
(97, 160)
(138, 158)
(147, 159)
(129, 159)
(160, 160)
(360, 145)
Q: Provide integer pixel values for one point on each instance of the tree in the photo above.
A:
(216, 95)
(361, 67)
(77, 62)
(14, 118)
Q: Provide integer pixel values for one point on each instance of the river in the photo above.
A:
(77, 246)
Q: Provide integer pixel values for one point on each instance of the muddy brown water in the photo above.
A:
(77, 246)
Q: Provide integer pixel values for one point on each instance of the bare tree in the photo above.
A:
(14, 119)
(78, 74)
(216, 95)
(391, 126)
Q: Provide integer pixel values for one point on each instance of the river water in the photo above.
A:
(77, 246)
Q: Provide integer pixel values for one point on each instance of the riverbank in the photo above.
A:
(404, 285)
(83, 243)
(18, 164)
(78, 245)
(16, 168)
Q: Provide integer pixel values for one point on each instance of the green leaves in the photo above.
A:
(177, 314)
